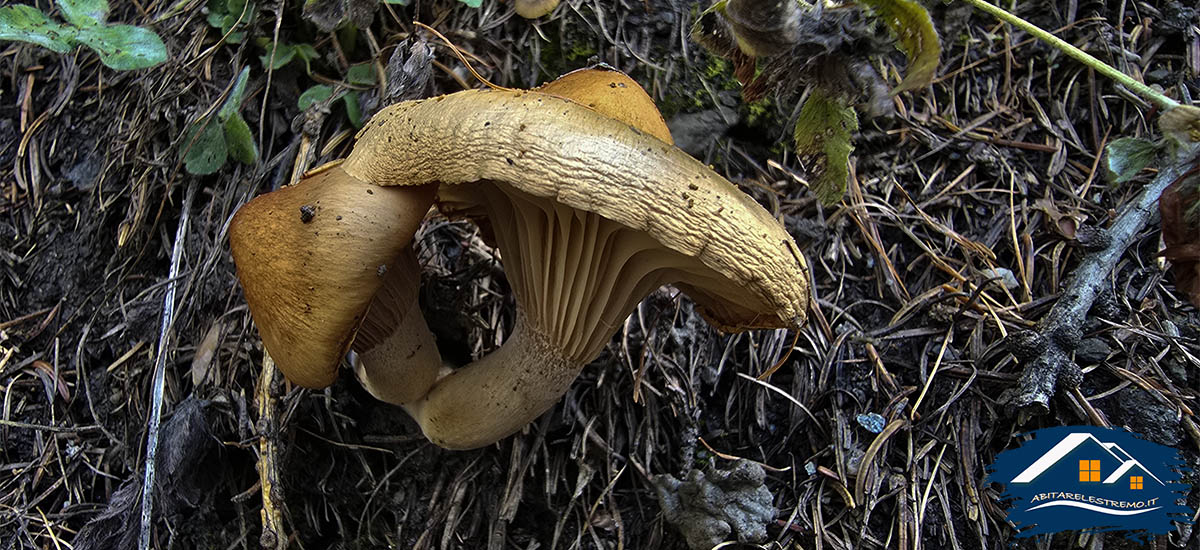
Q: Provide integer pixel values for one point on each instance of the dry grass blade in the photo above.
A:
(160, 367)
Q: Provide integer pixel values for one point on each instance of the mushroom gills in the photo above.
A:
(590, 215)
(576, 276)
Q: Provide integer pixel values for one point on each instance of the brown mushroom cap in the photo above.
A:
(591, 214)
(310, 258)
(613, 94)
(549, 147)
(533, 9)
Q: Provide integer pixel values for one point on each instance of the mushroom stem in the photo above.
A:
(399, 359)
(499, 394)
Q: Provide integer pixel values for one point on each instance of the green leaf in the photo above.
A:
(307, 53)
(472, 3)
(284, 53)
(822, 135)
(1127, 156)
(83, 13)
(208, 151)
(353, 110)
(234, 102)
(241, 142)
(316, 94)
(125, 47)
(238, 9)
(362, 74)
(28, 24)
(915, 35)
(238, 15)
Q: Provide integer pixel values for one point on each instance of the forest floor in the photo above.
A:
(995, 168)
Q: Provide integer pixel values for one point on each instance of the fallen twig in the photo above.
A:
(1046, 351)
(273, 535)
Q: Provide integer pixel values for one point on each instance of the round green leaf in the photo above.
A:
(125, 47)
(27, 24)
(313, 95)
(83, 13)
(240, 141)
(208, 149)
(1127, 156)
(284, 53)
(362, 74)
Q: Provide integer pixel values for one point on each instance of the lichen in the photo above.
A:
(710, 506)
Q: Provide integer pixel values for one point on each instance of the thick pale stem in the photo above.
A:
(399, 359)
(497, 395)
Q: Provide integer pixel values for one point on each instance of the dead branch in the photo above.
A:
(1046, 351)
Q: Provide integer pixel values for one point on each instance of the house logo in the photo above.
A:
(1095, 479)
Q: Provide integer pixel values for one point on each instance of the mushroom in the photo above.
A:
(590, 214)
(533, 9)
(311, 257)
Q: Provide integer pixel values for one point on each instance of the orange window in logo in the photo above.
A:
(1135, 482)
(1089, 471)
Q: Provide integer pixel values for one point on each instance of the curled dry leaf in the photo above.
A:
(1065, 223)
(202, 361)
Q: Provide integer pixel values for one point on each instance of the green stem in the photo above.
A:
(1165, 103)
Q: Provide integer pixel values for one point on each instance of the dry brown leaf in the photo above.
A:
(202, 361)
(1064, 223)
(1182, 241)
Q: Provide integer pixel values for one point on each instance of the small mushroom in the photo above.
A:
(311, 257)
(533, 9)
(590, 214)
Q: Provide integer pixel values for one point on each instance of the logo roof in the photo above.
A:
(1071, 442)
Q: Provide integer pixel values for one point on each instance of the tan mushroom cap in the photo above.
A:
(311, 256)
(590, 214)
(601, 88)
(541, 146)
(611, 93)
(533, 9)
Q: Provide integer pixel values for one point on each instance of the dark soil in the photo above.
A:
(980, 171)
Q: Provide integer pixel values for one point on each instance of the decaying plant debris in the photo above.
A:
(910, 320)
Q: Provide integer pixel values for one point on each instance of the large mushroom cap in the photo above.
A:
(558, 157)
(311, 256)
(590, 214)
